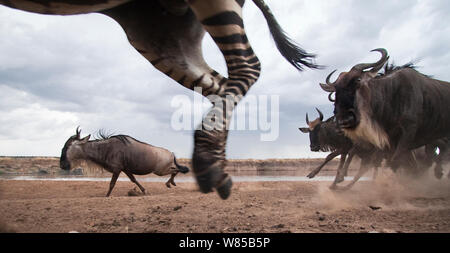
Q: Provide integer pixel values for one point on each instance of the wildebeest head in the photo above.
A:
(64, 161)
(347, 107)
(313, 130)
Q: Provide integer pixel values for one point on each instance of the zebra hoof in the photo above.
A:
(224, 187)
(207, 179)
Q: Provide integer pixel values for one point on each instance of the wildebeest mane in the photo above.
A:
(103, 135)
(391, 68)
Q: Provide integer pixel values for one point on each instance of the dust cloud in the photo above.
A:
(388, 191)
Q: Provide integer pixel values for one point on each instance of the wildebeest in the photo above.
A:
(169, 33)
(120, 153)
(396, 112)
(325, 136)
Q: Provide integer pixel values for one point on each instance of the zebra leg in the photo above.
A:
(222, 19)
(171, 43)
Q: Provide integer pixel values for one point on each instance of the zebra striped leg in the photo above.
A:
(222, 19)
(171, 43)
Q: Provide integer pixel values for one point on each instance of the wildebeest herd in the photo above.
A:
(399, 115)
(377, 116)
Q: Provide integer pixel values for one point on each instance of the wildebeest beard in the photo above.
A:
(330, 137)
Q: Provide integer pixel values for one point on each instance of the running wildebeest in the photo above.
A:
(326, 137)
(396, 112)
(169, 33)
(120, 153)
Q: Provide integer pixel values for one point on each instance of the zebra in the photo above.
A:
(168, 33)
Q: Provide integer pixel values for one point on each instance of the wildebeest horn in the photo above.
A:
(307, 120)
(381, 62)
(329, 97)
(78, 132)
(320, 114)
(329, 87)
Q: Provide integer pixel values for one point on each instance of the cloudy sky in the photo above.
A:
(60, 72)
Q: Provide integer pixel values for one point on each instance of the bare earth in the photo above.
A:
(386, 205)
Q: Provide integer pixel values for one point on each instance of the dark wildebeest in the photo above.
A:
(326, 137)
(120, 153)
(396, 112)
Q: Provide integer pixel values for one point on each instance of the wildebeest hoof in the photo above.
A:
(333, 187)
(339, 180)
(173, 183)
(135, 192)
(224, 187)
(311, 175)
(337, 188)
(168, 185)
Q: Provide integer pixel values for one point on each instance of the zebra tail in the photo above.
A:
(293, 53)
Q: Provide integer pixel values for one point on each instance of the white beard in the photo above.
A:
(368, 130)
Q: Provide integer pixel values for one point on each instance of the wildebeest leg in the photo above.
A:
(339, 170)
(375, 173)
(113, 182)
(438, 170)
(364, 167)
(327, 159)
(341, 174)
(171, 180)
(133, 179)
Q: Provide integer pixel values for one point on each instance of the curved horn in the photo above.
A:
(382, 61)
(329, 97)
(307, 120)
(320, 114)
(78, 132)
(329, 87)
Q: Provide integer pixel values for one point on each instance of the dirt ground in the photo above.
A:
(386, 205)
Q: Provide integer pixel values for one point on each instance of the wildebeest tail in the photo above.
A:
(287, 47)
(181, 168)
